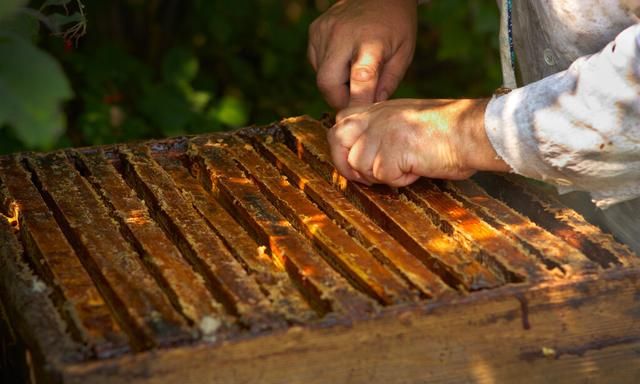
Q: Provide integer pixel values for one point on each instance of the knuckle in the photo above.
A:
(354, 162)
(322, 81)
(382, 174)
(364, 72)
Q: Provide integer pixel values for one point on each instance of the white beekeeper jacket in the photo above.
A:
(574, 122)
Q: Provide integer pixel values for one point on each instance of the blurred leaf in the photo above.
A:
(22, 24)
(54, 2)
(8, 7)
(59, 20)
(198, 99)
(180, 66)
(167, 109)
(95, 124)
(32, 88)
(232, 111)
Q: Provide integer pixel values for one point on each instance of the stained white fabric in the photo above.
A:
(578, 129)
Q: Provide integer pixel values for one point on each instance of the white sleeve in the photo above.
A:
(578, 129)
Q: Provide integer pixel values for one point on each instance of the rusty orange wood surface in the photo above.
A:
(245, 257)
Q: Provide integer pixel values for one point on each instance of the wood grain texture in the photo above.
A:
(133, 295)
(454, 218)
(228, 280)
(324, 287)
(76, 295)
(558, 219)
(285, 298)
(567, 331)
(244, 257)
(359, 225)
(33, 315)
(342, 251)
(185, 287)
(551, 250)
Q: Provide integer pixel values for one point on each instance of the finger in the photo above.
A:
(361, 179)
(391, 74)
(332, 78)
(364, 74)
(388, 169)
(312, 56)
(341, 138)
(362, 155)
(348, 112)
(312, 42)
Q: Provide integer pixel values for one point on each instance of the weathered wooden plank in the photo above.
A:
(497, 247)
(325, 289)
(185, 287)
(558, 219)
(579, 326)
(342, 251)
(284, 296)
(451, 260)
(34, 316)
(232, 286)
(336, 205)
(133, 295)
(76, 296)
(585, 330)
(550, 250)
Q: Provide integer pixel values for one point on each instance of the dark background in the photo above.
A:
(157, 68)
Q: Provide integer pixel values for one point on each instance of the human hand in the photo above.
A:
(395, 142)
(361, 49)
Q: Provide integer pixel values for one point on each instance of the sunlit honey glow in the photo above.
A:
(307, 272)
(457, 213)
(318, 219)
(284, 182)
(262, 254)
(482, 372)
(278, 257)
(94, 300)
(338, 180)
(314, 223)
(302, 183)
(218, 144)
(299, 149)
(137, 217)
(239, 180)
(568, 236)
(14, 216)
(441, 244)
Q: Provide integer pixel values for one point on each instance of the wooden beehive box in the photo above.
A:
(244, 258)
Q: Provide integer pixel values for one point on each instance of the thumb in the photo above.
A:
(349, 111)
(365, 70)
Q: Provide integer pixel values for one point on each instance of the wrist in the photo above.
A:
(477, 150)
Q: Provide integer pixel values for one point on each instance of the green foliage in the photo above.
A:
(32, 83)
(54, 2)
(172, 67)
(9, 7)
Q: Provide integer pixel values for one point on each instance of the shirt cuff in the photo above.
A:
(510, 134)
